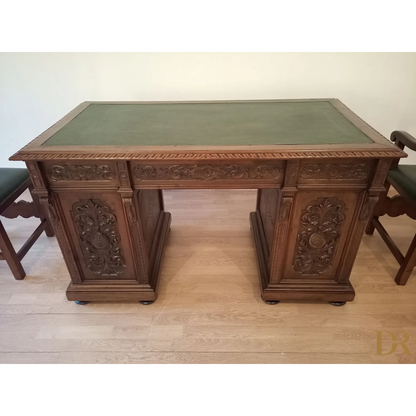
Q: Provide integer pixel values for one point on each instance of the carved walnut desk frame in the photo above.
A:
(106, 205)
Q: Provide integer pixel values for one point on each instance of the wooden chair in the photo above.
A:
(13, 182)
(403, 180)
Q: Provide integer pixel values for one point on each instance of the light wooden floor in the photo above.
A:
(209, 308)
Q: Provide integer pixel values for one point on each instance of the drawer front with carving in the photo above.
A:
(205, 174)
(337, 172)
(88, 174)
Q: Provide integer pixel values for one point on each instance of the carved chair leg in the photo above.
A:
(43, 216)
(407, 265)
(9, 254)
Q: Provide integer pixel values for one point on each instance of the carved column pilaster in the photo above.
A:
(50, 205)
(137, 244)
(284, 208)
(36, 176)
(370, 201)
(140, 256)
(383, 167)
(39, 191)
(123, 175)
(355, 239)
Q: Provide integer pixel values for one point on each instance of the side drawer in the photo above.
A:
(335, 171)
(92, 174)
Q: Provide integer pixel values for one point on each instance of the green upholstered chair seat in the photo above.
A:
(405, 177)
(11, 179)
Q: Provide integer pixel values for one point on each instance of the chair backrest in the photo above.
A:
(402, 139)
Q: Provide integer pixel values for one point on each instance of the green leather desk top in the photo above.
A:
(216, 124)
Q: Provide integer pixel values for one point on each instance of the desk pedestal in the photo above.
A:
(112, 237)
(307, 240)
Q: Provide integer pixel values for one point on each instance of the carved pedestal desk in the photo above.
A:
(318, 168)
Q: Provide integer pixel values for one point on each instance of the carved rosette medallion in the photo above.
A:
(317, 240)
(100, 241)
(205, 172)
(319, 231)
(335, 171)
(81, 173)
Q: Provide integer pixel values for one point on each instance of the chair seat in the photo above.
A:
(10, 180)
(405, 176)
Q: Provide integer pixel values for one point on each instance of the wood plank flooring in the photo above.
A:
(209, 309)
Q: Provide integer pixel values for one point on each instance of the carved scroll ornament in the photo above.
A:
(205, 172)
(81, 173)
(335, 171)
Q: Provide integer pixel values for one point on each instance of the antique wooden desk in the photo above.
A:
(318, 168)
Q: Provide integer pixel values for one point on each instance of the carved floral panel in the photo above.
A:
(320, 227)
(100, 241)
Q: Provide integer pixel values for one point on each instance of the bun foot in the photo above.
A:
(146, 302)
(272, 302)
(81, 302)
(337, 303)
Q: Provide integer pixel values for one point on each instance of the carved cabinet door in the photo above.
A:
(96, 229)
(318, 234)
